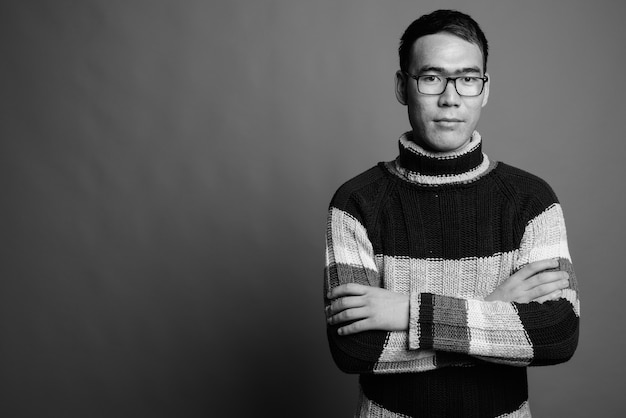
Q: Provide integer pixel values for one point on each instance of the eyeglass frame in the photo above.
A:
(484, 78)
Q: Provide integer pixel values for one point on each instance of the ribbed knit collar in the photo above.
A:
(418, 165)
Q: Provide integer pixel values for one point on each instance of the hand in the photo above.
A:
(532, 283)
(367, 308)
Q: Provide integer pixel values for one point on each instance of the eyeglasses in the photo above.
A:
(468, 86)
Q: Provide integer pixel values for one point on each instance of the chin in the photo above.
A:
(448, 142)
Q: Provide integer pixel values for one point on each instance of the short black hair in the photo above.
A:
(451, 21)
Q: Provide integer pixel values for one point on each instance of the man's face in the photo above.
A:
(442, 122)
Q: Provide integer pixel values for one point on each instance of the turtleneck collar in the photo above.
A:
(418, 165)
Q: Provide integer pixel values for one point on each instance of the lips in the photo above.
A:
(448, 120)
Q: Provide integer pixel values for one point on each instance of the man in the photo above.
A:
(446, 273)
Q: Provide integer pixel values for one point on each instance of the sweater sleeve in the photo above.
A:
(510, 333)
(350, 259)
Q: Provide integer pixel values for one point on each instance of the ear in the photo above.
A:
(486, 90)
(401, 87)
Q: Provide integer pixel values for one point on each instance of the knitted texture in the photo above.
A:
(447, 229)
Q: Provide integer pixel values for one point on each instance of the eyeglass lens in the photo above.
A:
(465, 86)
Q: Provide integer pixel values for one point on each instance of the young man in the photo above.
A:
(446, 273)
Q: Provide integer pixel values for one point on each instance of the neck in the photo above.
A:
(419, 165)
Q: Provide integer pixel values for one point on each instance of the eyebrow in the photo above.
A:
(429, 68)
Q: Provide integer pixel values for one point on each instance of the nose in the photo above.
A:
(450, 97)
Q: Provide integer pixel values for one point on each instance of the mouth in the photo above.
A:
(448, 120)
(448, 124)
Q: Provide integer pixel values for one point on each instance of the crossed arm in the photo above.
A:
(365, 308)
(531, 318)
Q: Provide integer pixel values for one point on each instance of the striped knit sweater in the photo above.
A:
(447, 229)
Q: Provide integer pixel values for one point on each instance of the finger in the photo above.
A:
(552, 296)
(348, 315)
(348, 289)
(355, 327)
(341, 304)
(535, 267)
(548, 288)
(545, 278)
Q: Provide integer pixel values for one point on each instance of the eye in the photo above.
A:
(470, 80)
(430, 79)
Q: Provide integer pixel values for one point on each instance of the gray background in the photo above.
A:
(166, 166)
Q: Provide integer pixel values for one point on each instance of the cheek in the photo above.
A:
(475, 112)
(421, 110)
(418, 119)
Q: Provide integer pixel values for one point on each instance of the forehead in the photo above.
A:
(444, 50)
